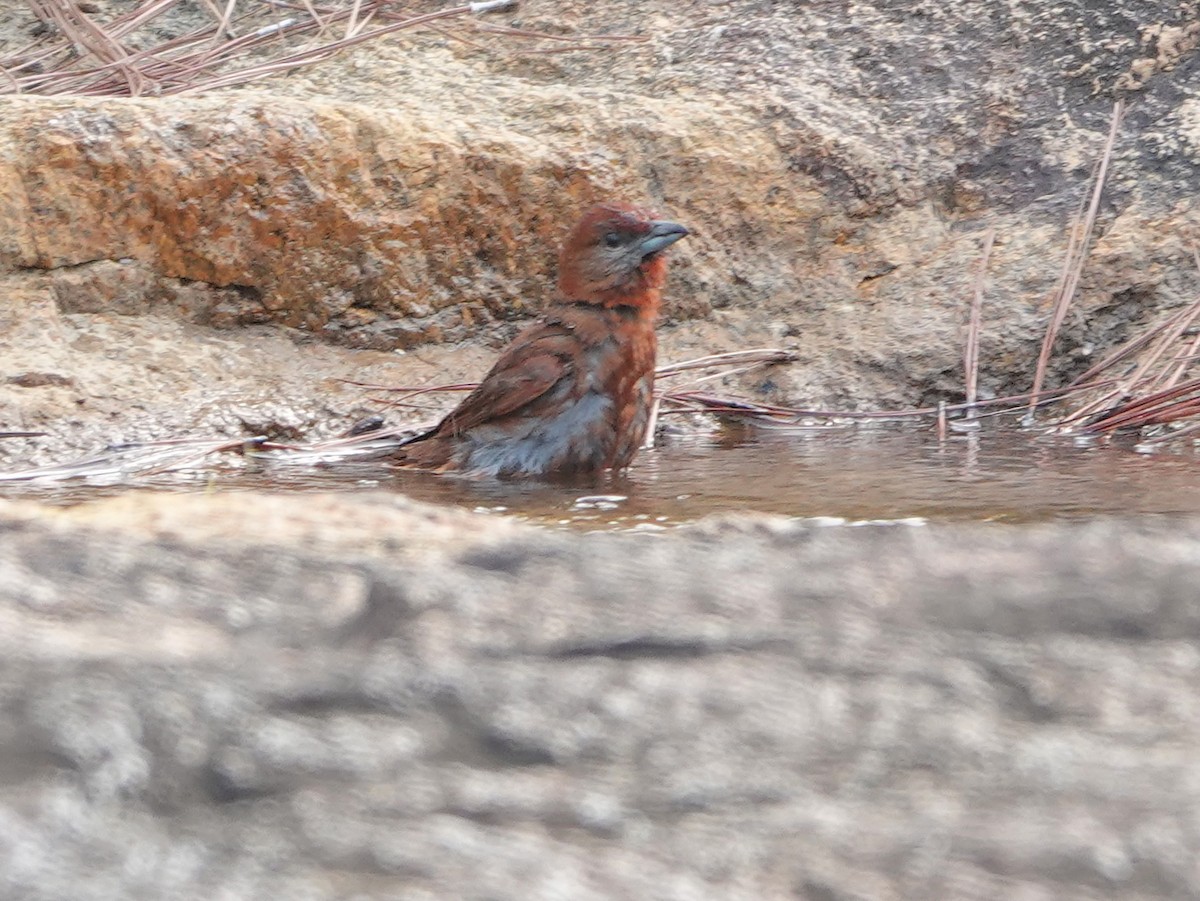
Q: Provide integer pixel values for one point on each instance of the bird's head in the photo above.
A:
(614, 256)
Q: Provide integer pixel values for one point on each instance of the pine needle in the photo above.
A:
(1078, 246)
(84, 56)
(971, 352)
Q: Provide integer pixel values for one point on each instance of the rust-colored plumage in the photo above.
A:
(571, 395)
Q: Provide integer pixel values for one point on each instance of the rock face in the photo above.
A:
(251, 696)
(838, 166)
(240, 696)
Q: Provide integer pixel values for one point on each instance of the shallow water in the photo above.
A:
(863, 473)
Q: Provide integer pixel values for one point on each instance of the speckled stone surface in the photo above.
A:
(364, 698)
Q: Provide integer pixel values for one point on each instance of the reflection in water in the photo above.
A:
(859, 473)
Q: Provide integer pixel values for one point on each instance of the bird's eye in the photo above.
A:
(612, 239)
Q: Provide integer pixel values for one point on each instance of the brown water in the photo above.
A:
(853, 474)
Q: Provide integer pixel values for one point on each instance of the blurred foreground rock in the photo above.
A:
(246, 696)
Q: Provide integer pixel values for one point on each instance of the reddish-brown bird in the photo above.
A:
(571, 396)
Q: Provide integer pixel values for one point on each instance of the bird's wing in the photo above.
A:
(529, 369)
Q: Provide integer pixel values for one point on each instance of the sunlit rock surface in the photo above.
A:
(838, 167)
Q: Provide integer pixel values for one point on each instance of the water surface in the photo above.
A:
(860, 473)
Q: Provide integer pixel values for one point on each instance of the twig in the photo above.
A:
(485, 6)
(971, 354)
(315, 54)
(543, 36)
(222, 18)
(86, 35)
(1143, 399)
(792, 415)
(1127, 349)
(1077, 252)
(322, 26)
(352, 27)
(1184, 432)
(405, 389)
(1146, 410)
(1194, 346)
(150, 458)
(732, 358)
(652, 423)
(200, 60)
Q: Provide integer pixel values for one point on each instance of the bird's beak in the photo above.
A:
(662, 234)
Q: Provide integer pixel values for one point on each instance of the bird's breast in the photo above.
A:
(593, 419)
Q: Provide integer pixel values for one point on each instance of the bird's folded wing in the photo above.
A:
(518, 379)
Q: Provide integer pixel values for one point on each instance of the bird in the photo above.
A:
(571, 396)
